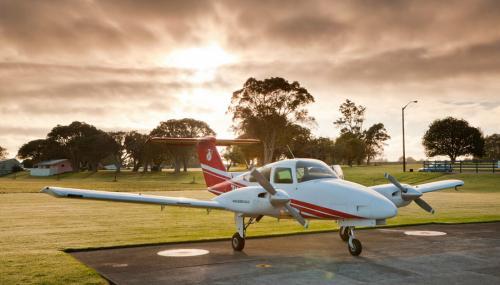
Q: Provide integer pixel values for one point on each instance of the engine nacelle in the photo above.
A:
(392, 193)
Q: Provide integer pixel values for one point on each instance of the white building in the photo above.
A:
(51, 167)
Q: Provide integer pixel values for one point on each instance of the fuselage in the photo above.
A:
(313, 189)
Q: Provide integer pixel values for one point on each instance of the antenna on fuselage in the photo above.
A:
(290, 150)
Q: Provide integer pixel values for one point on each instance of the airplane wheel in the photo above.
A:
(344, 233)
(237, 242)
(356, 248)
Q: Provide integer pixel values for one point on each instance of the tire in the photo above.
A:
(344, 233)
(356, 249)
(237, 242)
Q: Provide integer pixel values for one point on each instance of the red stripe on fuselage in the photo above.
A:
(324, 210)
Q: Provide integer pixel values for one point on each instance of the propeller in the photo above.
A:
(410, 194)
(278, 198)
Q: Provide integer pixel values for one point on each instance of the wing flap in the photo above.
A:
(60, 192)
(439, 185)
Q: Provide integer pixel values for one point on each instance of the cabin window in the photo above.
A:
(283, 175)
(307, 170)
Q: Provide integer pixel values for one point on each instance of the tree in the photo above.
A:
(266, 109)
(187, 128)
(119, 153)
(351, 122)
(323, 149)
(492, 147)
(41, 149)
(83, 144)
(3, 152)
(233, 155)
(135, 144)
(352, 118)
(349, 148)
(409, 159)
(454, 138)
(374, 139)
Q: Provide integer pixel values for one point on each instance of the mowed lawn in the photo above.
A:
(35, 227)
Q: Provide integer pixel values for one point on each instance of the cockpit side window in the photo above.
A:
(266, 171)
(310, 170)
(283, 175)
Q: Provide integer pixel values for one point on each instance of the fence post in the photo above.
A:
(460, 166)
(476, 167)
(493, 166)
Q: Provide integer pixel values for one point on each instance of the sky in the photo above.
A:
(127, 65)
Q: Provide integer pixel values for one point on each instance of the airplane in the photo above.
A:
(300, 188)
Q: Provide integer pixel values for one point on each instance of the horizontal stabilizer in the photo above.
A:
(195, 141)
(60, 192)
(439, 185)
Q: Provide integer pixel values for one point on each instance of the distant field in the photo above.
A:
(36, 227)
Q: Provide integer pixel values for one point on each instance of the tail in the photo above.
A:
(211, 163)
(214, 171)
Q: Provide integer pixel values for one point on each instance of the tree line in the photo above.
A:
(272, 110)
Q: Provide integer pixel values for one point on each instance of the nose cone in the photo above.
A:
(383, 208)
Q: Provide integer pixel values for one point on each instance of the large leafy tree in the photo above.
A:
(3, 152)
(267, 109)
(453, 137)
(368, 143)
(83, 144)
(187, 128)
(492, 147)
(41, 149)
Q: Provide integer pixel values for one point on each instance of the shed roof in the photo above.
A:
(52, 162)
(10, 160)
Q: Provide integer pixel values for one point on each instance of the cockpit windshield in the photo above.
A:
(312, 169)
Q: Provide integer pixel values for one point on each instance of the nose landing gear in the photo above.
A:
(353, 245)
(238, 239)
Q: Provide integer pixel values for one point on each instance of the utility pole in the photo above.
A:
(403, 124)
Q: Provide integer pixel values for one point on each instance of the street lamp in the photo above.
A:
(403, 119)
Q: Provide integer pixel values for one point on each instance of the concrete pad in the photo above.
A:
(467, 254)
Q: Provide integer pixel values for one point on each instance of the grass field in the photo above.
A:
(36, 227)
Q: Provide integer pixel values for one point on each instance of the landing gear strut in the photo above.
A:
(353, 245)
(238, 239)
(344, 233)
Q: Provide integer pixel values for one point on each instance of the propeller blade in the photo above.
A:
(424, 205)
(263, 181)
(411, 194)
(296, 215)
(395, 182)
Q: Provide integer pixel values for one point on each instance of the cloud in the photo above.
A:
(103, 61)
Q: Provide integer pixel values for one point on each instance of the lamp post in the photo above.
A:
(403, 120)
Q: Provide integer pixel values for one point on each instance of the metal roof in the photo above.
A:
(52, 162)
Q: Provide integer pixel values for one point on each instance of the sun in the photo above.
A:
(203, 58)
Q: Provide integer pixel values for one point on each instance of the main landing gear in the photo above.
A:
(238, 239)
(353, 245)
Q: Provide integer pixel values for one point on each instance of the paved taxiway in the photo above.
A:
(467, 254)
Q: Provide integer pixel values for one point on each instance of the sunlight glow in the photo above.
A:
(199, 58)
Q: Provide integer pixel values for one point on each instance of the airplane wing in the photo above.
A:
(60, 192)
(439, 185)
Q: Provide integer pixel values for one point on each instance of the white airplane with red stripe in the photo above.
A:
(300, 189)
